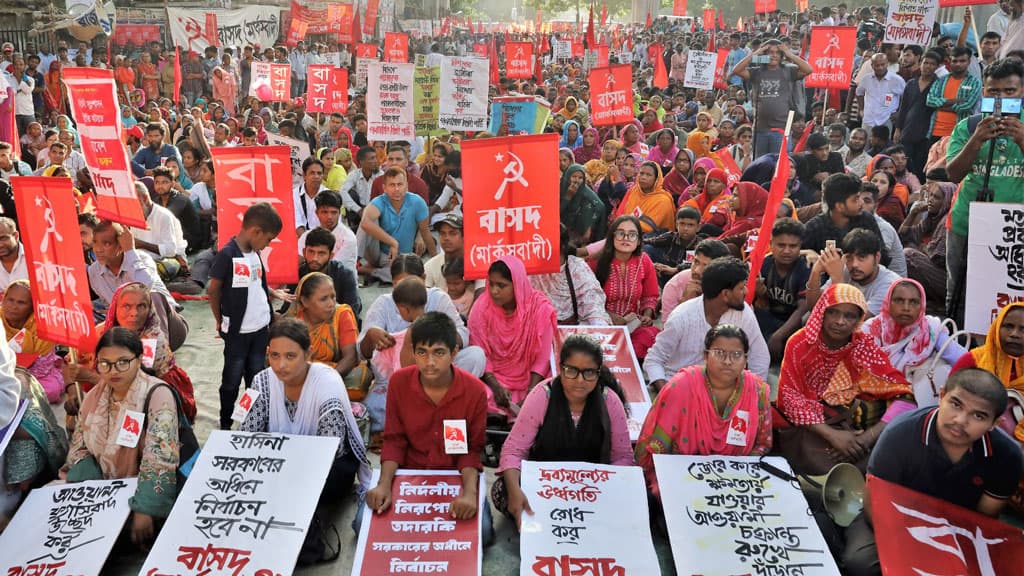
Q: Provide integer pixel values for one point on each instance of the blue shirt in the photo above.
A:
(731, 61)
(146, 159)
(404, 224)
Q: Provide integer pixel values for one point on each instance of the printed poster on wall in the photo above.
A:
(700, 69)
(910, 21)
(995, 277)
(426, 95)
(463, 104)
(66, 528)
(587, 519)
(249, 25)
(246, 506)
(510, 202)
(727, 515)
(417, 533)
(620, 360)
(389, 101)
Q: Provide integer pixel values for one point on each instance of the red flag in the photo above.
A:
(177, 75)
(711, 42)
(612, 102)
(545, 44)
(519, 60)
(495, 76)
(15, 137)
(590, 30)
(831, 56)
(370, 26)
(60, 287)
(679, 8)
(538, 69)
(339, 17)
(802, 142)
(515, 173)
(778, 191)
(660, 72)
(762, 6)
(721, 19)
(720, 82)
(357, 29)
(604, 14)
(93, 100)
(248, 175)
(928, 535)
(396, 47)
(602, 55)
(469, 24)
(709, 19)
(648, 18)
(729, 163)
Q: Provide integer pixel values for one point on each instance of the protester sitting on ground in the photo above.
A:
(648, 199)
(629, 281)
(458, 289)
(891, 244)
(1001, 355)
(132, 307)
(180, 206)
(924, 239)
(298, 395)
(837, 389)
(888, 205)
(574, 290)
(713, 407)
(423, 398)
(514, 326)
(391, 226)
(450, 240)
(680, 344)
(843, 211)
(577, 416)
(316, 257)
(858, 265)
(581, 211)
(678, 178)
(686, 285)
(714, 203)
(331, 325)
(328, 213)
(95, 452)
(33, 353)
(162, 239)
(781, 300)
(672, 252)
(954, 452)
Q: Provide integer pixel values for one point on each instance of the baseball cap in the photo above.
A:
(453, 220)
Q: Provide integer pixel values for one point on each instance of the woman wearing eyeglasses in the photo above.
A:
(578, 416)
(148, 450)
(720, 408)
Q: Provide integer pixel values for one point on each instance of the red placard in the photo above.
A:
(366, 51)
(296, 32)
(513, 201)
(679, 8)
(60, 287)
(927, 535)
(762, 6)
(577, 48)
(612, 103)
(417, 532)
(709, 19)
(212, 35)
(339, 19)
(248, 175)
(93, 101)
(281, 82)
(831, 56)
(480, 49)
(327, 89)
(519, 60)
(602, 55)
(720, 81)
(136, 34)
(396, 47)
(370, 24)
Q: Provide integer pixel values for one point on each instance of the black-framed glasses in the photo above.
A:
(588, 374)
(120, 365)
(623, 235)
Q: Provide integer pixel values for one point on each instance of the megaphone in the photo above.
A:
(842, 492)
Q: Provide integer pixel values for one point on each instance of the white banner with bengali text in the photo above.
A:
(995, 262)
(464, 108)
(389, 101)
(257, 25)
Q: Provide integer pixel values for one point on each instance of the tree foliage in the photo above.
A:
(615, 7)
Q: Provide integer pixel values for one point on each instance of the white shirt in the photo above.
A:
(356, 181)
(23, 105)
(345, 250)
(681, 341)
(881, 97)
(305, 207)
(18, 272)
(257, 311)
(164, 231)
(997, 23)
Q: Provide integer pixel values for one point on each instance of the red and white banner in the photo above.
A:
(91, 94)
(513, 206)
(271, 82)
(831, 56)
(60, 286)
(389, 101)
(577, 48)
(519, 60)
(927, 535)
(480, 49)
(679, 8)
(365, 55)
(762, 6)
(327, 89)
(720, 81)
(396, 47)
(296, 32)
(248, 175)
(417, 534)
(339, 22)
(617, 348)
(613, 101)
(370, 24)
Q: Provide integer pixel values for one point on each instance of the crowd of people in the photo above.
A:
(832, 359)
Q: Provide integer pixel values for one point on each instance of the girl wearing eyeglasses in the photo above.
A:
(719, 409)
(577, 416)
(148, 451)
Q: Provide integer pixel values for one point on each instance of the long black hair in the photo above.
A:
(588, 439)
(607, 254)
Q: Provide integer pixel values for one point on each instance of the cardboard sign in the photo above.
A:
(248, 175)
(66, 529)
(60, 286)
(910, 21)
(994, 276)
(417, 533)
(587, 519)
(619, 358)
(298, 151)
(366, 54)
(727, 515)
(613, 103)
(700, 69)
(926, 535)
(246, 507)
(831, 56)
(464, 108)
(389, 102)
(511, 202)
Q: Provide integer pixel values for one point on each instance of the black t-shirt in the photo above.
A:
(910, 454)
(785, 292)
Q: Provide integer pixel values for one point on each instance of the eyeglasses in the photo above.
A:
(589, 374)
(620, 235)
(723, 355)
(121, 365)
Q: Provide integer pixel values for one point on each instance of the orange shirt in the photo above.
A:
(945, 121)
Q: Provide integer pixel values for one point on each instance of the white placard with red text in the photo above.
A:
(995, 277)
(587, 519)
(271, 82)
(389, 101)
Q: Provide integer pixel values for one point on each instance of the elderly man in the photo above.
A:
(879, 93)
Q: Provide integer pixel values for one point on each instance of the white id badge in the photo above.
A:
(131, 428)
(245, 404)
(17, 342)
(148, 352)
(241, 273)
(738, 429)
(455, 441)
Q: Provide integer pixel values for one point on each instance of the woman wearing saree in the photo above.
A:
(571, 137)
(749, 202)
(589, 149)
(924, 240)
(34, 353)
(53, 96)
(650, 200)
(837, 389)
(332, 326)
(714, 203)
(719, 409)
(633, 139)
(95, 454)
(665, 151)
(698, 174)
(888, 205)
(514, 325)
(225, 88)
(598, 168)
(678, 178)
(39, 446)
(582, 212)
(149, 76)
(433, 170)
(32, 143)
